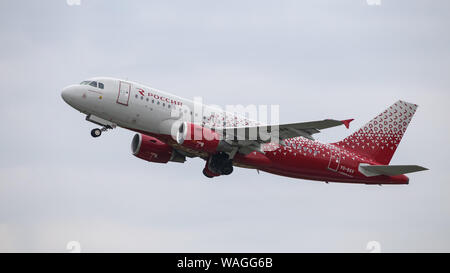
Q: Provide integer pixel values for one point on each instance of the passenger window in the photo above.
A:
(100, 85)
(93, 84)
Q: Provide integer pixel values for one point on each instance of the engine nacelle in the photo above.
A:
(154, 150)
(200, 138)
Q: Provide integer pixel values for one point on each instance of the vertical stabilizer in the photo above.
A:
(380, 137)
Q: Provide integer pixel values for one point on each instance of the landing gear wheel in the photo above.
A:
(227, 170)
(96, 132)
(205, 174)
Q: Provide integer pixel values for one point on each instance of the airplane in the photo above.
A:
(168, 130)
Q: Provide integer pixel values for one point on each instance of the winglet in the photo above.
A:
(347, 122)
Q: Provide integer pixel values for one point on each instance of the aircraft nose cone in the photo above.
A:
(65, 94)
(68, 94)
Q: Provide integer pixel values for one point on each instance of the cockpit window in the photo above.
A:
(93, 84)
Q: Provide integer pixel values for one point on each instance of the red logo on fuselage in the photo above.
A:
(141, 91)
(158, 97)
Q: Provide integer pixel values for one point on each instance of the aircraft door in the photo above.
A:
(124, 93)
(335, 159)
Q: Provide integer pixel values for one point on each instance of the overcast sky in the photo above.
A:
(316, 59)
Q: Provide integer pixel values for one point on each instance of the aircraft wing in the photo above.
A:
(284, 131)
(307, 129)
(250, 138)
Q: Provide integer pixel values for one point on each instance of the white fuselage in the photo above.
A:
(139, 107)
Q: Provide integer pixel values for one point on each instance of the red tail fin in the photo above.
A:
(379, 138)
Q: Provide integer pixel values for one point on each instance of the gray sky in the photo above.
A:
(316, 59)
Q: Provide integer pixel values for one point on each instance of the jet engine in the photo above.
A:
(203, 139)
(200, 138)
(154, 150)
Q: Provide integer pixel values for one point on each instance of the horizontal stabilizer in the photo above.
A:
(389, 170)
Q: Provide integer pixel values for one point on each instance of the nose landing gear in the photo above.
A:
(96, 132)
(106, 125)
